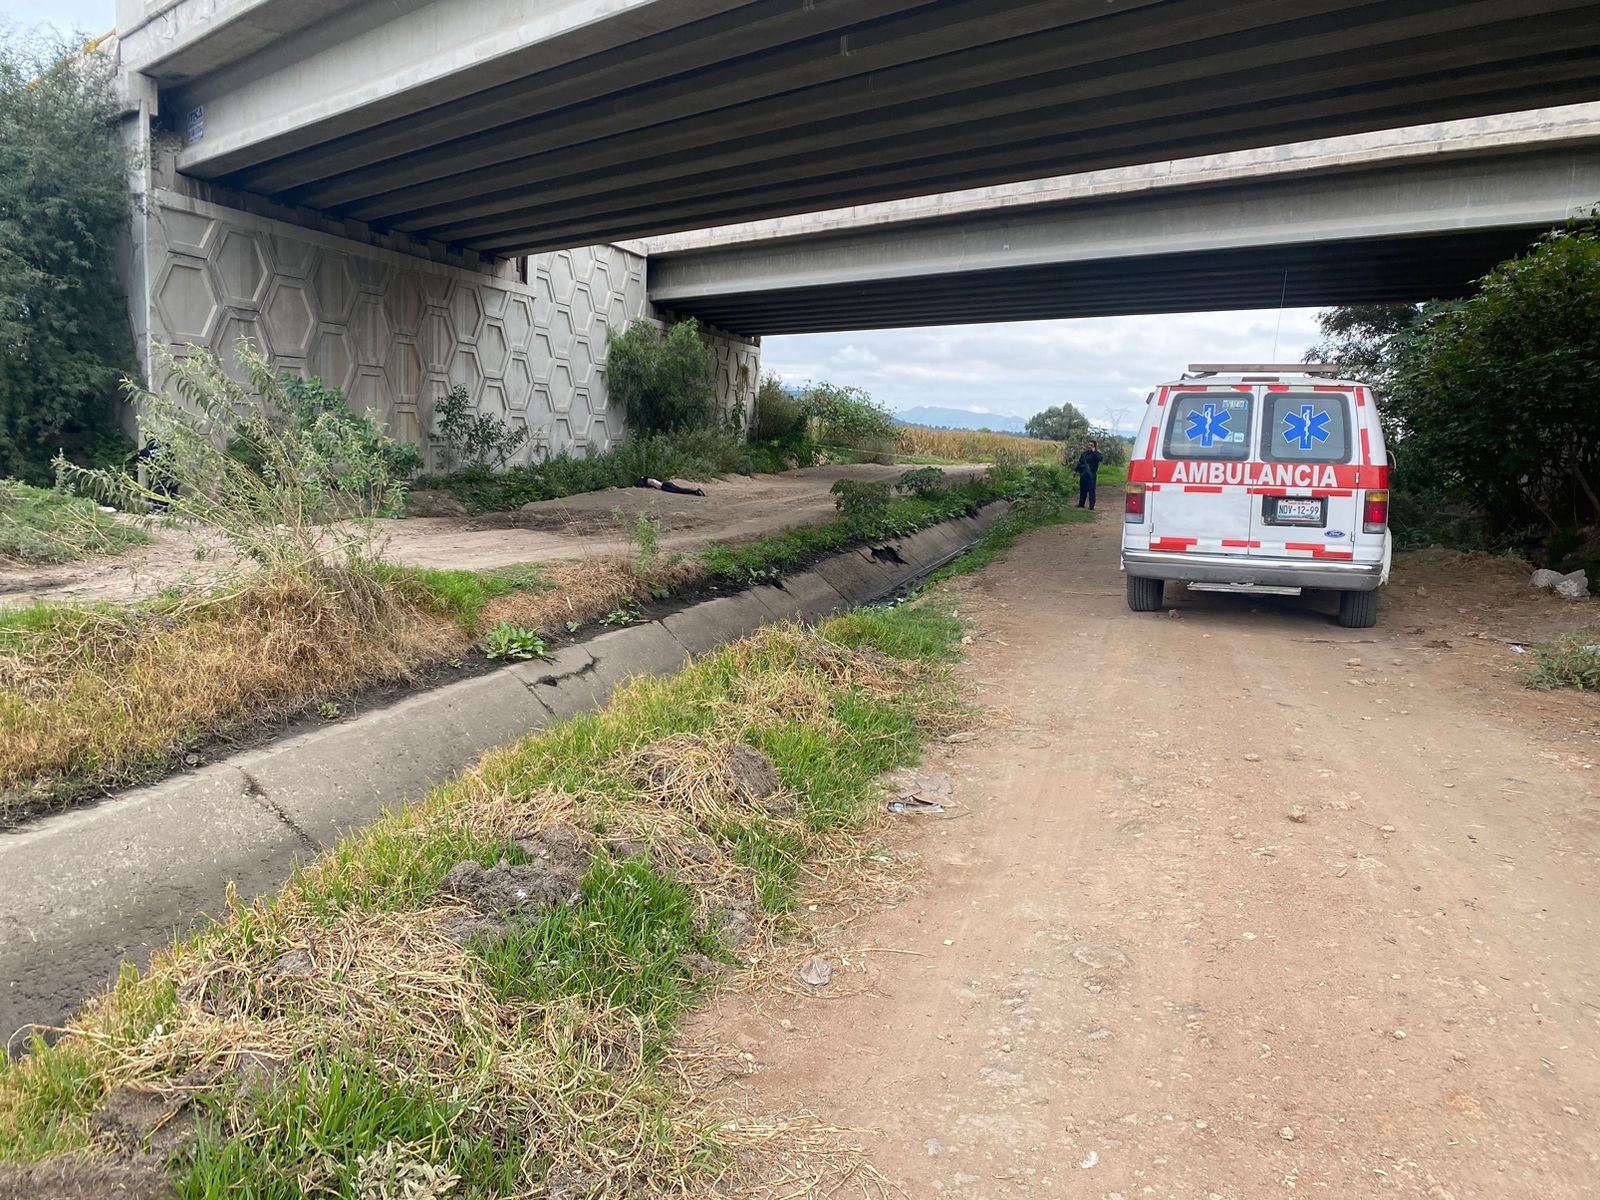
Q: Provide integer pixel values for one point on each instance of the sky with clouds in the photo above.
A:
(1104, 365)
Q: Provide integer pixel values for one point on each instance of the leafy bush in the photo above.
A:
(921, 481)
(781, 416)
(473, 440)
(39, 527)
(298, 462)
(65, 342)
(857, 498)
(514, 643)
(848, 416)
(1491, 400)
(361, 459)
(1113, 449)
(662, 384)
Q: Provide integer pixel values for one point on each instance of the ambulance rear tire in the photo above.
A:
(1358, 610)
(1144, 595)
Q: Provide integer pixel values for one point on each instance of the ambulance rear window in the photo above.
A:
(1210, 425)
(1309, 427)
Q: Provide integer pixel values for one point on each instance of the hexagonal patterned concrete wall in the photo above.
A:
(396, 332)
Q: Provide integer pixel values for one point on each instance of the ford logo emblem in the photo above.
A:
(1334, 533)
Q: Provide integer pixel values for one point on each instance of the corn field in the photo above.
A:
(965, 445)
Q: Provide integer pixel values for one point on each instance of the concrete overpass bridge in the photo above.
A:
(510, 126)
(405, 196)
(1410, 215)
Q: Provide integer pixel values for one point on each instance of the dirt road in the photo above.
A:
(734, 508)
(1227, 913)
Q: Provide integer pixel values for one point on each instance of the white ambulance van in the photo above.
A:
(1259, 479)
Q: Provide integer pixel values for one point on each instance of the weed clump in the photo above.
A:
(39, 527)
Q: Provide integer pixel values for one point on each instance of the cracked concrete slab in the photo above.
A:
(566, 683)
(708, 625)
(83, 892)
(343, 777)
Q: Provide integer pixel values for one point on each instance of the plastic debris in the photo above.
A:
(818, 971)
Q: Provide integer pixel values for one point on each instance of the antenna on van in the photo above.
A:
(1282, 296)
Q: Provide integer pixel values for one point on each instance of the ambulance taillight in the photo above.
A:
(1133, 504)
(1375, 512)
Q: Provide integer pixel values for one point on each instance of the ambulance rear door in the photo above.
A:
(1201, 504)
(1305, 502)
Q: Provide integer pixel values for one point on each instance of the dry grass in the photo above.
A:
(339, 1038)
(588, 590)
(960, 445)
(90, 699)
(96, 699)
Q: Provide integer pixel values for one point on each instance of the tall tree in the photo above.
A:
(1060, 423)
(65, 343)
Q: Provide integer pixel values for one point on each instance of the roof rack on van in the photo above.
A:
(1263, 368)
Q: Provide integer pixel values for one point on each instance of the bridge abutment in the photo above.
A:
(395, 322)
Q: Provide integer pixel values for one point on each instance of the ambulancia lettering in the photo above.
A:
(1244, 474)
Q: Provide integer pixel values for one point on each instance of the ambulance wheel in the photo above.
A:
(1144, 595)
(1358, 610)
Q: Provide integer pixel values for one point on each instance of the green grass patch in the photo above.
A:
(460, 595)
(628, 945)
(342, 1126)
(40, 527)
(1573, 661)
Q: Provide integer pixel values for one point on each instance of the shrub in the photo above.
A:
(475, 441)
(299, 460)
(361, 459)
(1112, 448)
(780, 415)
(64, 203)
(1574, 661)
(663, 384)
(922, 481)
(858, 499)
(848, 416)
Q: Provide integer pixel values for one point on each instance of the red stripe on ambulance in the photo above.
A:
(1172, 543)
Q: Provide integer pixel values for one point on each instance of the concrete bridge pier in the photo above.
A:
(394, 322)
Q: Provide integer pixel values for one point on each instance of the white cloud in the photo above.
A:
(1104, 365)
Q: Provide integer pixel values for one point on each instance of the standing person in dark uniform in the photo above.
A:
(1088, 469)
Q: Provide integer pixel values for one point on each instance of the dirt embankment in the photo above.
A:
(588, 525)
(1233, 904)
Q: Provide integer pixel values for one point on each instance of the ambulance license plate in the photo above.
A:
(1299, 512)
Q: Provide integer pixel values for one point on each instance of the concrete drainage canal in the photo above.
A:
(84, 891)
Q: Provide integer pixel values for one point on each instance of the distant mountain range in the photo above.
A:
(960, 418)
